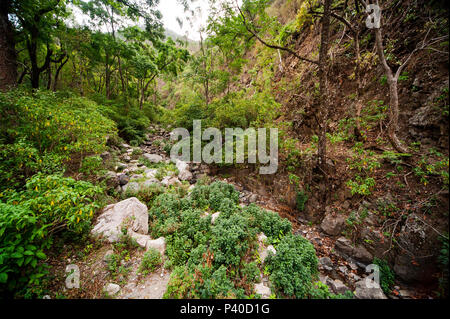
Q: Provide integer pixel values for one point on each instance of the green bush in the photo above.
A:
(387, 276)
(150, 261)
(30, 219)
(41, 132)
(294, 266)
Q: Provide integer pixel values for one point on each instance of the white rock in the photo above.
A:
(158, 244)
(214, 217)
(181, 165)
(265, 253)
(111, 289)
(262, 290)
(150, 173)
(130, 213)
(368, 289)
(262, 238)
(132, 187)
(185, 175)
(170, 180)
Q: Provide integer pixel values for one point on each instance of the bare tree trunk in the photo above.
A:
(323, 92)
(8, 65)
(393, 96)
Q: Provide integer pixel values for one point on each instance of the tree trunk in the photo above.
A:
(8, 65)
(55, 81)
(323, 94)
(393, 96)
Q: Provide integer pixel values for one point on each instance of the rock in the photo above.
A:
(262, 290)
(337, 286)
(154, 158)
(344, 245)
(130, 213)
(158, 244)
(111, 289)
(150, 173)
(405, 294)
(214, 217)
(265, 253)
(112, 180)
(120, 167)
(125, 145)
(343, 270)
(136, 176)
(169, 181)
(181, 165)
(185, 175)
(262, 238)
(253, 198)
(131, 187)
(333, 224)
(426, 116)
(360, 253)
(326, 263)
(368, 290)
(150, 182)
(126, 158)
(123, 179)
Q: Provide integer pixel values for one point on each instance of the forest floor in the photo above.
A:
(95, 275)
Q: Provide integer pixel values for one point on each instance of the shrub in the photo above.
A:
(386, 275)
(41, 132)
(150, 261)
(294, 266)
(29, 220)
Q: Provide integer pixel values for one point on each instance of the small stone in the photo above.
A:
(154, 158)
(262, 290)
(253, 198)
(111, 289)
(158, 244)
(123, 179)
(338, 286)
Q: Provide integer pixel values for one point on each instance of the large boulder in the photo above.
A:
(333, 224)
(130, 214)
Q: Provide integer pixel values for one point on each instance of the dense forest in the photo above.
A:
(93, 206)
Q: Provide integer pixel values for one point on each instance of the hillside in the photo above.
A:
(90, 180)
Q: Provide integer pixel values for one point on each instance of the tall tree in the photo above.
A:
(8, 64)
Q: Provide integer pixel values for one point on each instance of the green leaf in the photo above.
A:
(3, 277)
(41, 255)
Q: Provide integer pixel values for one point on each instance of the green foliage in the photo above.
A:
(42, 131)
(387, 276)
(29, 220)
(361, 186)
(301, 200)
(150, 261)
(294, 266)
(443, 264)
